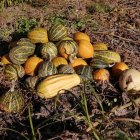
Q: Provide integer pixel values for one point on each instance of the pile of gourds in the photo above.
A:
(57, 64)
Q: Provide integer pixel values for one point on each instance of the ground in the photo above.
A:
(114, 22)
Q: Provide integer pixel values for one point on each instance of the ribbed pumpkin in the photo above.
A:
(85, 72)
(62, 69)
(107, 56)
(57, 61)
(47, 68)
(100, 46)
(5, 59)
(68, 49)
(81, 36)
(32, 64)
(85, 49)
(12, 101)
(38, 35)
(48, 51)
(118, 69)
(22, 51)
(31, 81)
(78, 62)
(57, 32)
(98, 63)
(101, 75)
(56, 84)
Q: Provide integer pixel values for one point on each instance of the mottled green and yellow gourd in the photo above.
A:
(12, 101)
(57, 32)
(65, 69)
(48, 51)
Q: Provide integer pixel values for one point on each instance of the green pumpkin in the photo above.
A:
(65, 69)
(12, 101)
(31, 82)
(57, 32)
(68, 49)
(20, 53)
(85, 72)
(49, 51)
(47, 68)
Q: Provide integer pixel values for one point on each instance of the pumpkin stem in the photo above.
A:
(13, 86)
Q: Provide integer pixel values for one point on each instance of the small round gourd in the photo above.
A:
(85, 49)
(32, 64)
(48, 51)
(31, 82)
(85, 72)
(81, 36)
(20, 53)
(68, 49)
(100, 46)
(38, 35)
(65, 69)
(47, 68)
(57, 61)
(57, 32)
(101, 75)
(12, 101)
(118, 69)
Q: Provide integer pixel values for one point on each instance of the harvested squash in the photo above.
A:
(57, 61)
(81, 36)
(100, 46)
(56, 84)
(65, 69)
(5, 59)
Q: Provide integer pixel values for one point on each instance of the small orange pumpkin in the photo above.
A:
(5, 59)
(101, 75)
(118, 68)
(31, 65)
(81, 36)
(78, 62)
(85, 49)
(57, 61)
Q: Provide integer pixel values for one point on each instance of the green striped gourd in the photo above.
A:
(49, 51)
(85, 72)
(57, 32)
(98, 63)
(20, 53)
(62, 69)
(38, 35)
(31, 81)
(107, 56)
(47, 68)
(12, 101)
(68, 49)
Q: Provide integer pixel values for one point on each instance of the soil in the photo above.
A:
(114, 22)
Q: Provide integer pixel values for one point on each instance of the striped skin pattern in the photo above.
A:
(68, 49)
(57, 32)
(47, 68)
(20, 53)
(107, 56)
(65, 69)
(85, 72)
(12, 101)
(38, 35)
(49, 51)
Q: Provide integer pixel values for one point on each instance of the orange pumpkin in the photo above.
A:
(57, 61)
(81, 36)
(85, 49)
(78, 62)
(101, 75)
(118, 68)
(31, 65)
(5, 59)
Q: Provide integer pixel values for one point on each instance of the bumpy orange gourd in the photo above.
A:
(81, 36)
(5, 59)
(57, 61)
(78, 62)
(118, 69)
(32, 64)
(85, 49)
(101, 75)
